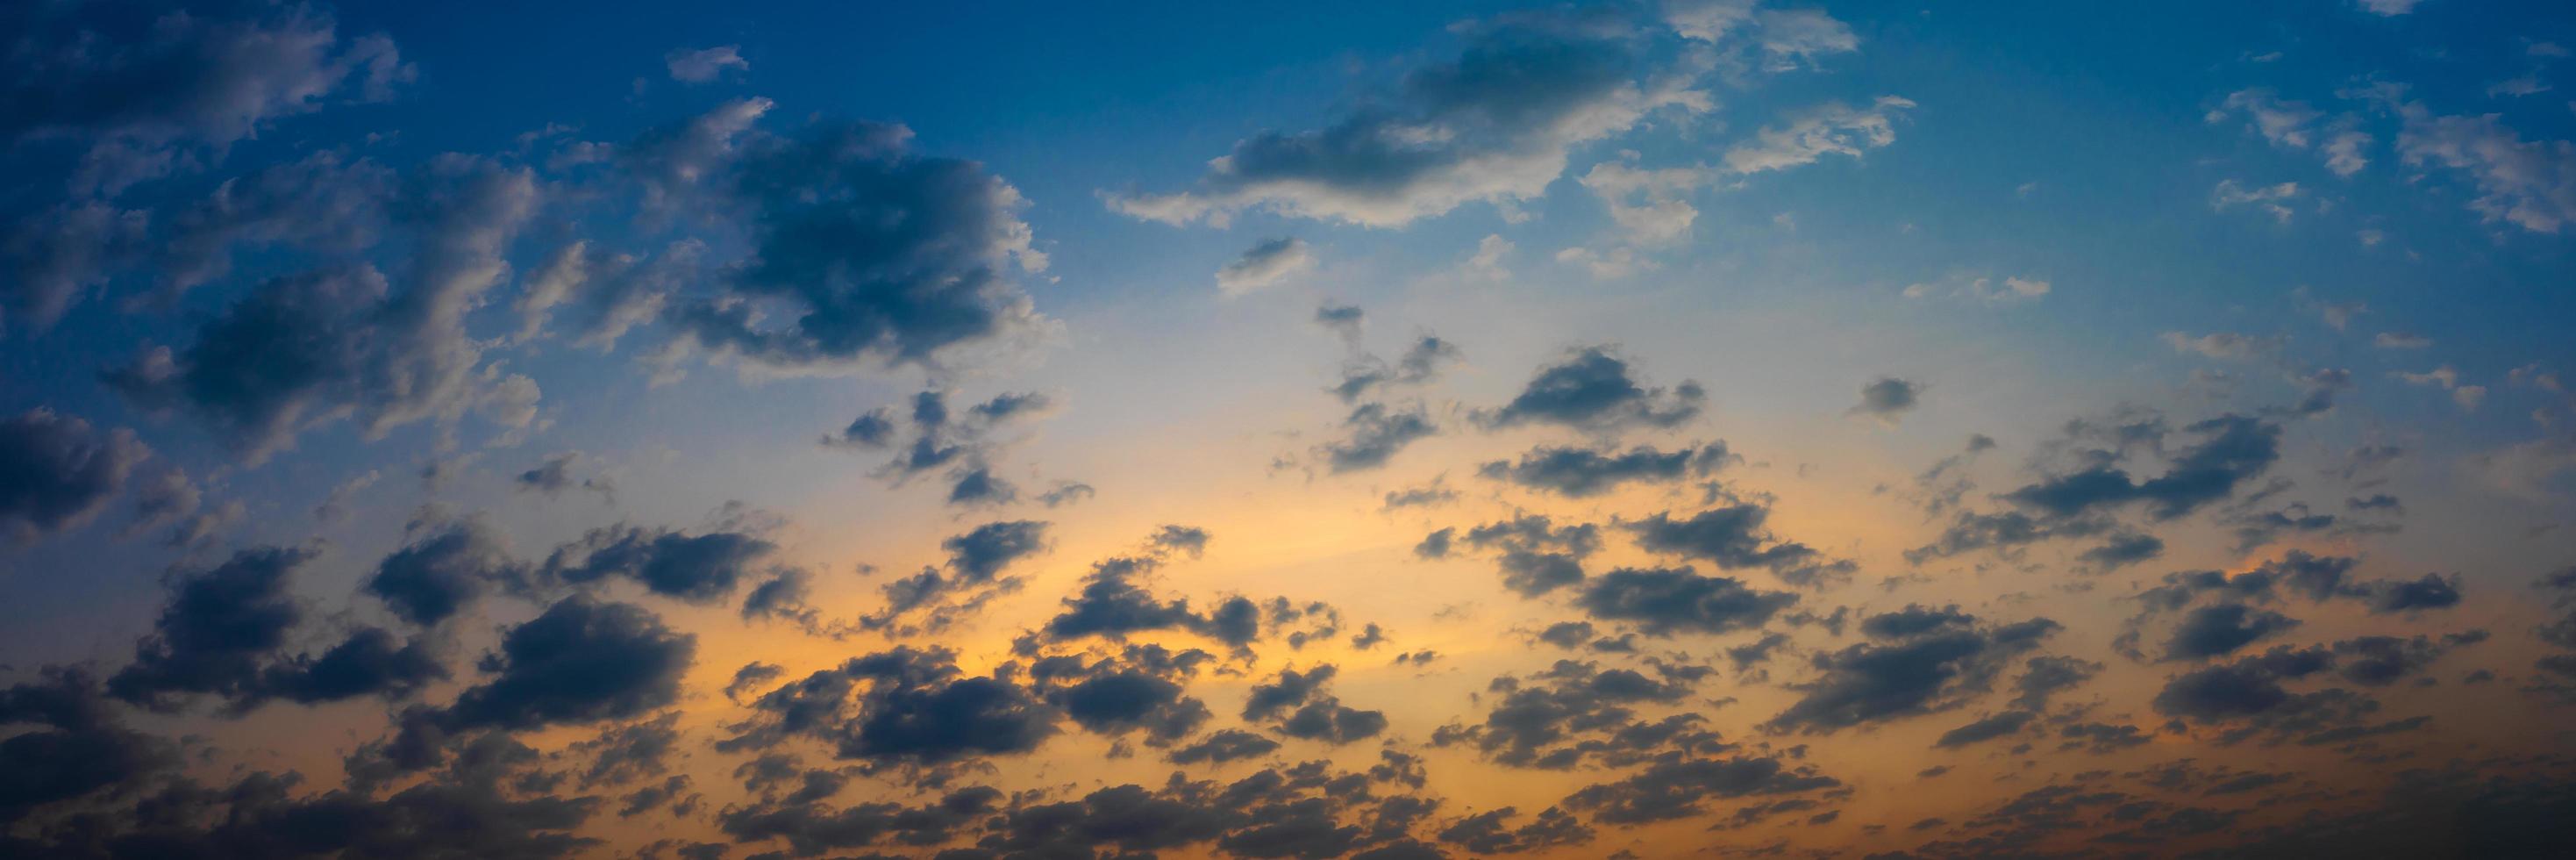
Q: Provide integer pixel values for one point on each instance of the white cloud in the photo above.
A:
(705, 64)
(2270, 198)
(1488, 261)
(1832, 129)
(2390, 8)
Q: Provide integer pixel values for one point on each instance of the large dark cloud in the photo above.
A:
(1919, 661)
(225, 634)
(1493, 124)
(65, 743)
(582, 661)
(445, 568)
(904, 706)
(1592, 389)
(2231, 450)
(1676, 787)
(341, 340)
(1582, 472)
(1114, 604)
(1304, 710)
(976, 560)
(876, 252)
(810, 828)
(56, 471)
(1140, 691)
(1536, 555)
(2253, 698)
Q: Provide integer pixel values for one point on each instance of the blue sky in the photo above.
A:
(534, 416)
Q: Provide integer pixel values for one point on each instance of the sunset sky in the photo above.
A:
(1390, 430)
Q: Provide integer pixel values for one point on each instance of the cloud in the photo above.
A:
(1536, 555)
(1375, 434)
(1830, 129)
(704, 65)
(1495, 124)
(961, 446)
(224, 634)
(701, 568)
(443, 568)
(1265, 264)
(2389, 8)
(1665, 601)
(2232, 449)
(1591, 389)
(1119, 697)
(1888, 398)
(2013, 290)
(148, 90)
(854, 284)
(553, 475)
(1676, 788)
(1582, 472)
(581, 661)
(906, 705)
(2272, 199)
(308, 348)
(1422, 362)
(62, 472)
(1572, 712)
(1919, 661)
(1737, 536)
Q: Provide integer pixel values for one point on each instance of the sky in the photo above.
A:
(1380, 430)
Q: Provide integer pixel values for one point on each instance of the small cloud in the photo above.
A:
(1265, 264)
(705, 64)
(1887, 399)
(2401, 340)
(2270, 198)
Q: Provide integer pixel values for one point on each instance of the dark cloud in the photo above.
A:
(65, 743)
(700, 568)
(1491, 832)
(1576, 711)
(1593, 390)
(1373, 433)
(1736, 536)
(1888, 398)
(906, 705)
(1988, 728)
(1493, 124)
(582, 661)
(444, 568)
(1922, 661)
(876, 253)
(1536, 555)
(2122, 550)
(340, 340)
(2232, 449)
(811, 829)
(1677, 787)
(1309, 712)
(1581, 472)
(60, 471)
(226, 633)
(1143, 692)
(152, 89)
(1264, 264)
(2251, 697)
(1223, 746)
(1666, 601)
(2219, 630)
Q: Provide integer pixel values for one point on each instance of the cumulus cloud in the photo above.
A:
(63, 471)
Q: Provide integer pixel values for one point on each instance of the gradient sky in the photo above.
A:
(1387, 430)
